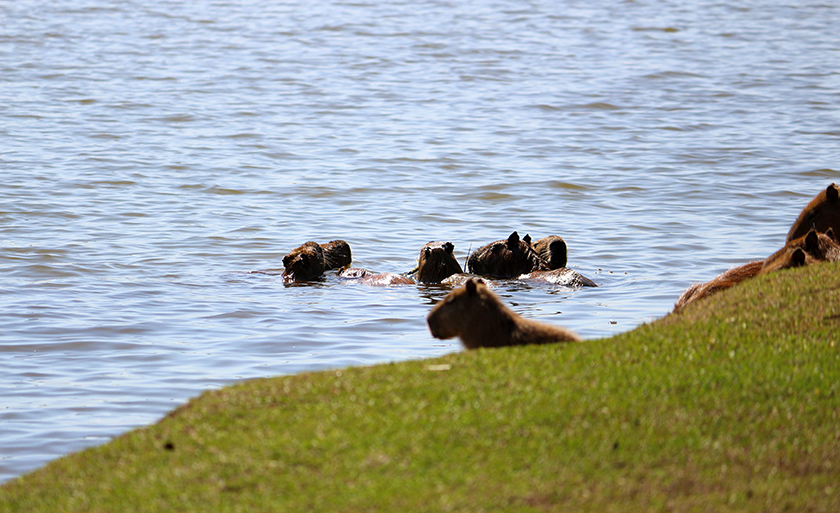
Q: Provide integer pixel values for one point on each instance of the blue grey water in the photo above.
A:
(153, 152)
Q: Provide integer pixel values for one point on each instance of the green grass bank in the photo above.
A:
(731, 406)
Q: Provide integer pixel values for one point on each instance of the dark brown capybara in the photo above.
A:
(723, 281)
(365, 277)
(506, 258)
(304, 263)
(476, 315)
(437, 262)
(553, 250)
(822, 213)
(336, 254)
(811, 248)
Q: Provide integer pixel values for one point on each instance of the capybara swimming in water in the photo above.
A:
(822, 213)
(437, 262)
(304, 263)
(553, 250)
(336, 254)
(811, 248)
(723, 281)
(506, 258)
(476, 315)
(365, 277)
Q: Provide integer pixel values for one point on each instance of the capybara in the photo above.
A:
(437, 262)
(563, 276)
(304, 263)
(811, 248)
(723, 281)
(365, 277)
(476, 315)
(822, 213)
(553, 250)
(506, 258)
(336, 254)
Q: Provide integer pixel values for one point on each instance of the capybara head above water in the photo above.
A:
(811, 248)
(304, 263)
(336, 254)
(506, 258)
(553, 250)
(822, 213)
(437, 262)
(476, 315)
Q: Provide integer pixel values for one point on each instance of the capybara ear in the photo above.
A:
(527, 239)
(832, 192)
(471, 287)
(798, 257)
(449, 247)
(812, 241)
(513, 240)
(427, 251)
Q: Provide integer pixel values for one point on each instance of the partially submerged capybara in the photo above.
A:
(553, 250)
(563, 276)
(506, 258)
(822, 213)
(365, 277)
(476, 315)
(336, 254)
(723, 281)
(304, 263)
(811, 248)
(437, 262)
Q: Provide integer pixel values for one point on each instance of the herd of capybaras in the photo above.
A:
(476, 315)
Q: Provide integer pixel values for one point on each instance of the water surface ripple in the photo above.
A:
(155, 152)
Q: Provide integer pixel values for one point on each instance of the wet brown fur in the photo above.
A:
(563, 276)
(506, 258)
(822, 213)
(337, 254)
(476, 315)
(553, 250)
(365, 277)
(304, 263)
(437, 262)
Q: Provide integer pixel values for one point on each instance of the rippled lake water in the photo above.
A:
(155, 152)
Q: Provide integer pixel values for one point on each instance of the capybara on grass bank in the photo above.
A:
(822, 213)
(506, 258)
(476, 315)
(811, 248)
(723, 281)
(437, 262)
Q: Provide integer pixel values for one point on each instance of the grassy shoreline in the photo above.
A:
(730, 406)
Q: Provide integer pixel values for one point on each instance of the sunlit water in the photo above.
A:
(155, 152)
